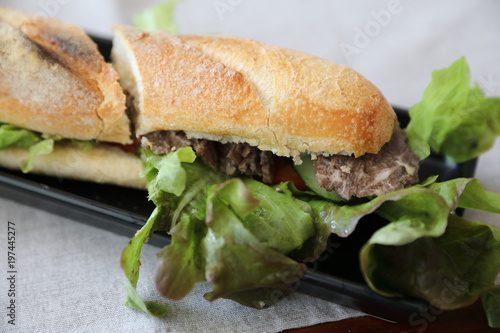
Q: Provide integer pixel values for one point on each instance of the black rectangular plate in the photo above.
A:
(335, 277)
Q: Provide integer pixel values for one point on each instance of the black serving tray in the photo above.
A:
(335, 277)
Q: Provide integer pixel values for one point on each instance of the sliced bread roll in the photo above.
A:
(53, 80)
(235, 90)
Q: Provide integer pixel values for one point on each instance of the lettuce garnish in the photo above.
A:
(11, 135)
(158, 17)
(462, 257)
(491, 304)
(248, 238)
(220, 227)
(453, 119)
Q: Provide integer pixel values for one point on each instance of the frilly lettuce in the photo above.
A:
(453, 119)
(235, 233)
(11, 135)
(461, 260)
(249, 239)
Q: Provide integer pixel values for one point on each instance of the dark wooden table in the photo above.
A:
(469, 319)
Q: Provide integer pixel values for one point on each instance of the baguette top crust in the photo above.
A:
(53, 80)
(236, 90)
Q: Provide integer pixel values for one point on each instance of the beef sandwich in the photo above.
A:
(247, 108)
(226, 125)
(57, 92)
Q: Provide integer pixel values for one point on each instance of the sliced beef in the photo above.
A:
(207, 151)
(163, 142)
(241, 158)
(394, 167)
(231, 158)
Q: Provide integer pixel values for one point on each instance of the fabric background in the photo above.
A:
(69, 279)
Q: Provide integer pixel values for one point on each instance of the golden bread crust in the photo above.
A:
(101, 163)
(315, 106)
(53, 80)
(176, 87)
(236, 90)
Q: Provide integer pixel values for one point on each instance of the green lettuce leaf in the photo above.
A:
(451, 268)
(453, 118)
(174, 213)
(130, 263)
(449, 271)
(236, 233)
(43, 147)
(342, 220)
(245, 236)
(491, 304)
(135, 301)
(158, 17)
(196, 179)
(467, 193)
(171, 177)
(237, 262)
(282, 221)
(11, 135)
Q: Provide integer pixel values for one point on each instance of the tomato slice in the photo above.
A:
(284, 172)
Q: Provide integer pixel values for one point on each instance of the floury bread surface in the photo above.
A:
(53, 80)
(234, 90)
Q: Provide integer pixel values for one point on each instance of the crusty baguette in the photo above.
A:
(101, 163)
(53, 80)
(235, 90)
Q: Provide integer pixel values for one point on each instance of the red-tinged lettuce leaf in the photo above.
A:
(242, 235)
(259, 225)
(449, 271)
(237, 262)
(170, 208)
(181, 265)
(249, 273)
(491, 304)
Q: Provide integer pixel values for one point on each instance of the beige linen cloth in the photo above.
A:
(69, 278)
